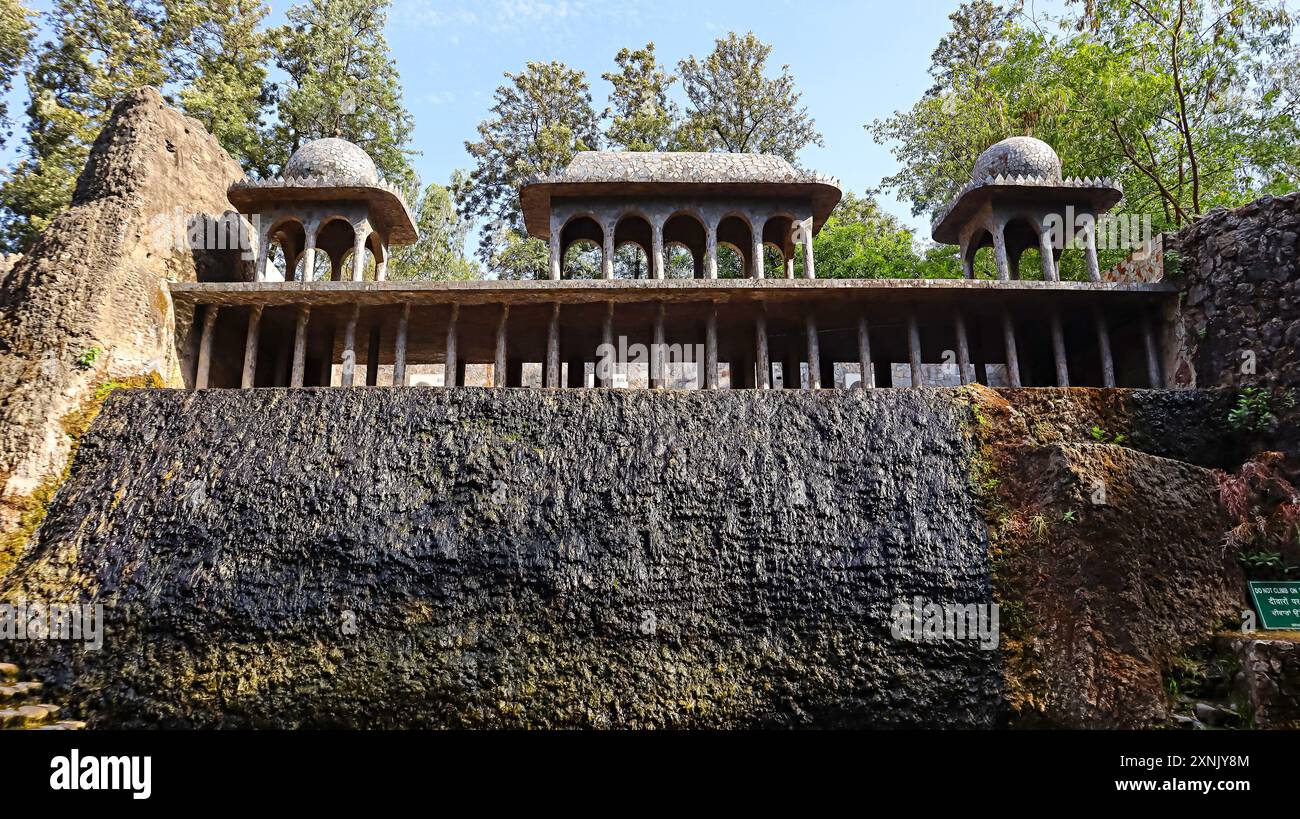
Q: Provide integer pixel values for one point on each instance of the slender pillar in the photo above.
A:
(555, 255)
(449, 368)
(809, 270)
(1153, 354)
(658, 366)
(608, 365)
(204, 365)
(1000, 252)
(864, 355)
(914, 346)
(1058, 350)
(359, 253)
(250, 346)
(657, 247)
(499, 358)
(263, 252)
(1090, 251)
(711, 253)
(350, 345)
(967, 263)
(399, 346)
(963, 347)
(711, 348)
(1046, 254)
(1103, 347)
(553, 348)
(607, 254)
(814, 352)
(756, 250)
(381, 269)
(372, 355)
(763, 362)
(1009, 342)
(309, 258)
(789, 265)
(299, 367)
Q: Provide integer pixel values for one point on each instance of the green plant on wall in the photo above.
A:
(87, 359)
(1256, 409)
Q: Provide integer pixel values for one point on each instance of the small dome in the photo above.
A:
(1018, 156)
(331, 158)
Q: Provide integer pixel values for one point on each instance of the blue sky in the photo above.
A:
(854, 61)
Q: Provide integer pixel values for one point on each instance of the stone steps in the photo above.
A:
(21, 708)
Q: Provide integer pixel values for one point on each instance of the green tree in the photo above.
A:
(860, 241)
(341, 82)
(642, 116)
(219, 55)
(98, 52)
(735, 107)
(16, 31)
(440, 252)
(541, 118)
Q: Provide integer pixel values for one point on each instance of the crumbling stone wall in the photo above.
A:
(1240, 315)
(88, 305)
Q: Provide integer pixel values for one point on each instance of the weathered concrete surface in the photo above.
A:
(96, 281)
(517, 558)
(1268, 680)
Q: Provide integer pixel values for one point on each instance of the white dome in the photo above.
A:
(331, 158)
(1018, 156)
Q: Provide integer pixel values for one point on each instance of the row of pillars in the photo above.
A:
(361, 235)
(1045, 252)
(763, 369)
(801, 235)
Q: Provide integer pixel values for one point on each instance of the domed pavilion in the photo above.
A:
(329, 198)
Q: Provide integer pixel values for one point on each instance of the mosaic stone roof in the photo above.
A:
(1018, 156)
(698, 168)
(331, 158)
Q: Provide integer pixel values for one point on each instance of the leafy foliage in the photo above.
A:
(642, 118)
(439, 253)
(1256, 409)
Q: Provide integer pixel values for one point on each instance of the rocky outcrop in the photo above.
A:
(1240, 315)
(508, 558)
(88, 305)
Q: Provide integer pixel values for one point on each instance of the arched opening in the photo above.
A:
(777, 237)
(334, 239)
(684, 231)
(367, 265)
(632, 238)
(288, 237)
(773, 261)
(1021, 235)
(731, 262)
(981, 258)
(584, 237)
(734, 231)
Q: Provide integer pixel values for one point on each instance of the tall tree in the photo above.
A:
(440, 252)
(219, 55)
(860, 241)
(642, 116)
(15, 43)
(735, 107)
(99, 50)
(541, 118)
(341, 82)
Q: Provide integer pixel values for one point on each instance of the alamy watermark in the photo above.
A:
(919, 620)
(25, 619)
(1111, 231)
(613, 360)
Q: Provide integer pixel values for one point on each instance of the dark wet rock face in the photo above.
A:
(377, 557)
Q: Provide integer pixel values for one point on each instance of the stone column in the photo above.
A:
(1153, 354)
(1009, 342)
(963, 347)
(814, 352)
(1058, 350)
(263, 253)
(359, 251)
(763, 363)
(1103, 347)
(552, 374)
(809, 269)
(1090, 251)
(399, 346)
(555, 254)
(381, 265)
(607, 253)
(865, 366)
(756, 251)
(967, 261)
(789, 264)
(1000, 251)
(711, 348)
(499, 363)
(657, 246)
(658, 366)
(299, 367)
(309, 256)
(350, 345)
(250, 347)
(607, 367)
(711, 252)
(1045, 252)
(914, 347)
(204, 365)
(450, 363)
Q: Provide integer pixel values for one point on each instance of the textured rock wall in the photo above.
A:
(1240, 272)
(416, 557)
(96, 280)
